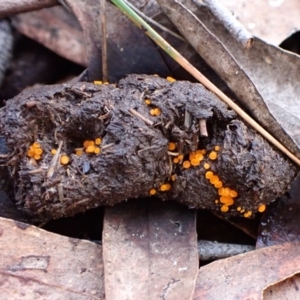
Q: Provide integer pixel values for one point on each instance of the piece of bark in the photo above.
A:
(37, 264)
(135, 156)
(149, 251)
(12, 7)
(246, 276)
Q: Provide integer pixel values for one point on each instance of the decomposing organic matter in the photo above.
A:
(102, 144)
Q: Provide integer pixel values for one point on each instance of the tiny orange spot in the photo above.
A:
(199, 156)
(195, 162)
(186, 164)
(98, 141)
(214, 179)
(64, 159)
(168, 186)
(206, 166)
(233, 193)
(170, 79)
(171, 146)
(53, 151)
(226, 192)
(163, 187)
(217, 148)
(148, 101)
(213, 155)
(86, 143)
(180, 157)
(239, 208)
(38, 151)
(36, 145)
(262, 208)
(216, 201)
(175, 160)
(203, 151)
(78, 152)
(152, 192)
(218, 184)
(37, 157)
(248, 214)
(209, 174)
(224, 208)
(97, 82)
(221, 191)
(173, 177)
(90, 149)
(97, 150)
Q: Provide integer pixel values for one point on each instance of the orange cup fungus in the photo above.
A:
(35, 151)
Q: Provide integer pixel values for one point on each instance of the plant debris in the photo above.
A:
(232, 170)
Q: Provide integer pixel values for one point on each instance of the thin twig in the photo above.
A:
(54, 161)
(199, 76)
(13, 7)
(173, 153)
(163, 28)
(137, 114)
(103, 41)
(209, 250)
(236, 29)
(203, 128)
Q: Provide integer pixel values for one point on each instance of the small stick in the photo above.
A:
(107, 146)
(235, 28)
(13, 7)
(199, 76)
(203, 128)
(54, 161)
(163, 28)
(137, 114)
(173, 153)
(187, 120)
(209, 250)
(103, 41)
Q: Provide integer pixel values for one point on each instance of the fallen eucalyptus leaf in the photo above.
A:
(273, 20)
(37, 264)
(246, 276)
(149, 251)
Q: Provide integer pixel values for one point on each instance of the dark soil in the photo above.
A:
(134, 156)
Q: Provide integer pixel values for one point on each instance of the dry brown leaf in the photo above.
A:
(36, 264)
(280, 223)
(56, 29)
(287, 289)
(149, 251)
(245, 276)
(272, 21)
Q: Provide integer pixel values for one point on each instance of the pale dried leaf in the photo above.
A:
(149, 251)
(287, 289)
(272, 21)
(36, 264)
(56, 29)
(245, 276)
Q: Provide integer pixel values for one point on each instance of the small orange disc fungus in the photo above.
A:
(262, 208)
(152, 192)
(171, 146)
(213, 155)
(186, 164)
(64, 160)
(209, 174)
